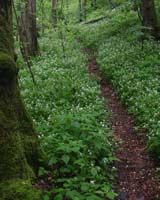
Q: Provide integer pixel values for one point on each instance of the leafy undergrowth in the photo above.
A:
(133, 70)
(136, 74)
(70, 118)
(118, 21)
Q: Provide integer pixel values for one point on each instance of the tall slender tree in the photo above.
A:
(28, 28)
(42, 16)
(80, 11)
(94, 4)
(112, 4)
(54, 12)
(84, 8)
(19, 147)
(149, 17)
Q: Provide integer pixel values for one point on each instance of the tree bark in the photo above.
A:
(54, 13)
(28, 28)
(19, 147)
(94, 4)
(42, 15)
(84, 8)
(112, 4)
(80, 11)
(149, 18)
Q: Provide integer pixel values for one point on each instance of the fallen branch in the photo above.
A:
(97, 20)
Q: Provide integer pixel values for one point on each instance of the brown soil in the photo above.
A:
(136, 168)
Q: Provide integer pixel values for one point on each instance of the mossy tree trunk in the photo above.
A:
(149, 18)
(19, 147)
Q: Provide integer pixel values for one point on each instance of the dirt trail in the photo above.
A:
(136, 169)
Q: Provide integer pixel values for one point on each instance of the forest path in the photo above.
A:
(136, 169)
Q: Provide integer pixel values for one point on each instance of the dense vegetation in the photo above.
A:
(132, 65)
(75, 147)
(67, 108)
(71, 121)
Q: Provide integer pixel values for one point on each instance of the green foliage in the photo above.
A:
(66, 105)
(70, 118)
(135, 73)
(117, 21)
(132, 65)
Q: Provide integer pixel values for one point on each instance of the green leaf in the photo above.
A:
(53, 160)
(73, 194)
(58, 197)
(46, 197)
(111, 195)
(84, 188)
(42, 171)
(94, 197)
(94, 171)
(65, 159)
(76, 125)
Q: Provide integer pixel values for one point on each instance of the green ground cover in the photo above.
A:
(70, 118)
(132, 67)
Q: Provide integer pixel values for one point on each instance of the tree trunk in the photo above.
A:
(94, 4)
(54, 12)
(18, 142)
(84, 9)
(33, 27)
(42, 15)
(80, 11)
(28, 28)
(112, 4)
(149, 18)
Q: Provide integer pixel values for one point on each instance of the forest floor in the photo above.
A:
(136, 168)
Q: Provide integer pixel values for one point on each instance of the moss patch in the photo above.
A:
(19, 190)
(8, 68)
